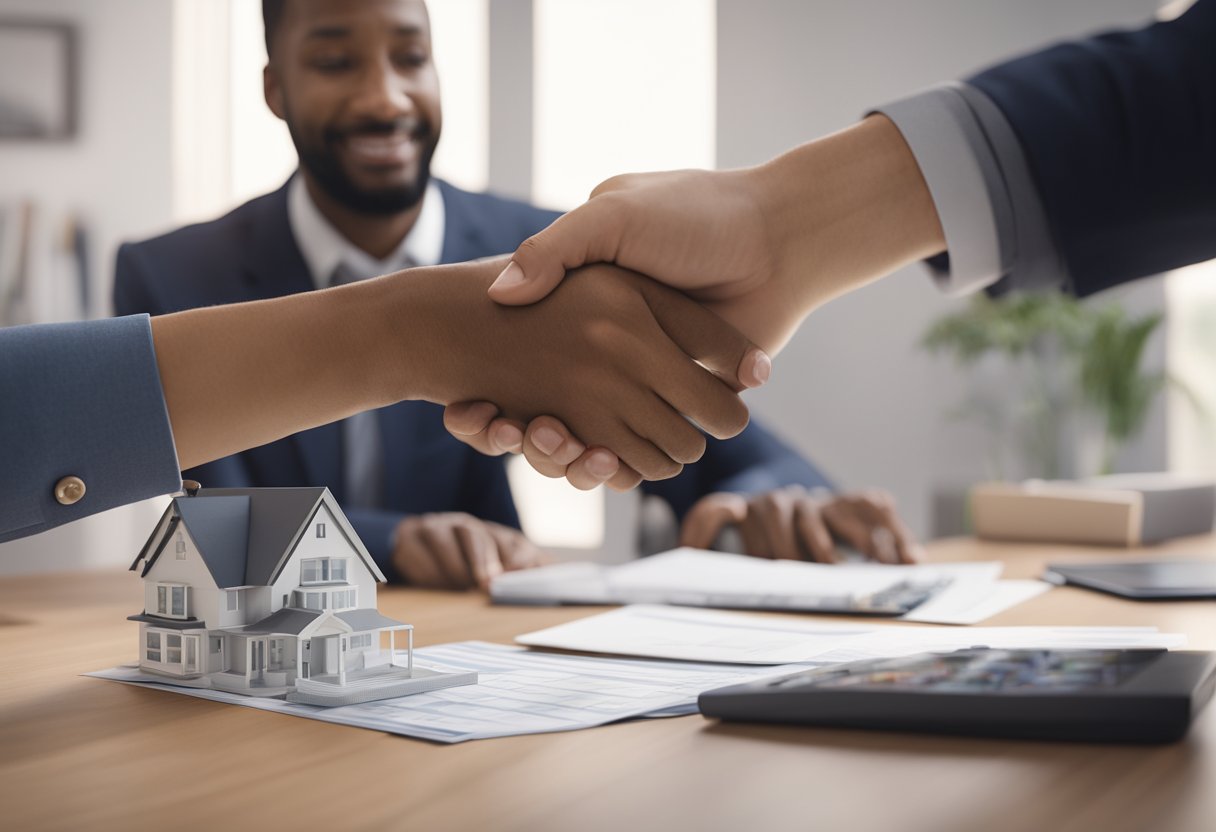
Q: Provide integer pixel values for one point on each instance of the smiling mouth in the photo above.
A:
(382, 149)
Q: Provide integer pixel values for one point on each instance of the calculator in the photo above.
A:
(1133, 696)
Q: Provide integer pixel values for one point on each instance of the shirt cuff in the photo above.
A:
(965, 182)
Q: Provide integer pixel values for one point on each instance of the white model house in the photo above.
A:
(269, 592)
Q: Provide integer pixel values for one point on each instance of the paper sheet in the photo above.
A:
(692, 577)
(519, 692)
(706, 636)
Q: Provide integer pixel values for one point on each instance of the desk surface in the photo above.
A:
(83, 753)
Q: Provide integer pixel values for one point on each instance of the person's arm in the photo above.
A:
(1082, 165)
(613, 354)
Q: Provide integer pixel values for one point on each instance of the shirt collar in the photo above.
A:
(323, 246)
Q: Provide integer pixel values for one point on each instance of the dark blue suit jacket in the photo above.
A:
(250, 254)
(1119, 132)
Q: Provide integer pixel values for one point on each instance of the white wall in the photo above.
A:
(853, 390)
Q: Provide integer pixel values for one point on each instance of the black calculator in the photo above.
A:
(1134, 696)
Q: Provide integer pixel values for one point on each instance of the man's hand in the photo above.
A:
(619, 358)
(791, 524)
(458, 551)
(761, 247)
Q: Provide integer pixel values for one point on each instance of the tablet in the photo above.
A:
(1160, 580)
(1138, 696)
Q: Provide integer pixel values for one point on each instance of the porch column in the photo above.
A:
(409, 652)
(341, 661)
(248, 659)
(391, 646)
(299, 657)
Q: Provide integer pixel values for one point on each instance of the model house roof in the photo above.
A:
(246, 535)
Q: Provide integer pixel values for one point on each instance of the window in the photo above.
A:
(171, 600)
(322, 570)
(234, 600)
(314, 600)
(217, 644)
(320, 530)
(181, 547)
(173, 649)
(360, 641)
(153, 644)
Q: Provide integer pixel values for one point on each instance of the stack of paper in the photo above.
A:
(961, 593)
(707, 636)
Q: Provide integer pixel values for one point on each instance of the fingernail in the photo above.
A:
(546, 440)
(510, 277)
(602, 465)
(508, 438)
(760, 370)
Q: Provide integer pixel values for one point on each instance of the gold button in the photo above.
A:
(69, 490)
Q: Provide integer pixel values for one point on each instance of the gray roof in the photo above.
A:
(220, 528)
(246, 535)
(287, 621)
(367, 619)
(169, 623)
(276, 518)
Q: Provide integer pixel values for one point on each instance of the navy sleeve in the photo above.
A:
(84, 400)
(753, 462)
(1119, 132)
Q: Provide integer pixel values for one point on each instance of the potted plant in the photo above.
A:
(1061, 367)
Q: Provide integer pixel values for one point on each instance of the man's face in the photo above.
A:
(355, 83)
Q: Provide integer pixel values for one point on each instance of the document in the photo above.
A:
(519, 692)
(708, 636)
(947, 593)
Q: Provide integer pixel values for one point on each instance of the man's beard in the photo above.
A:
(321, 160)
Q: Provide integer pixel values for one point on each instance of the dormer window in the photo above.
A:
(171, 600)
(322, 570)
(181, 547)
(320, 530)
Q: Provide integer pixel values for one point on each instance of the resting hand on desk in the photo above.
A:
(454, 550)
(792, 524)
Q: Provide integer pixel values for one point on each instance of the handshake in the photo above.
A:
(664, 295)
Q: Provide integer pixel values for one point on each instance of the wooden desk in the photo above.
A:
(78, 753)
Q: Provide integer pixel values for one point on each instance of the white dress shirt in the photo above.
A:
(332, 259)
(982, 188)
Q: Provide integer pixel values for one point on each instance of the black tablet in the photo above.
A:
(1140, 696)
(1160, 580)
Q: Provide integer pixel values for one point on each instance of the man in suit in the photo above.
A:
(355, 84)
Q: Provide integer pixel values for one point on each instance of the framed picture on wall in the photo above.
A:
(37, 80)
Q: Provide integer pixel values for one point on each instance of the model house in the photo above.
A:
(269, 592)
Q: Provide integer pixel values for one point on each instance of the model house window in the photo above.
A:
(322, 570)
(360, 641)
(173, 649)
(344, 599)
(320, 530)
(217, 644)
(171, 600)
(234, 600)
(153, 647)
(181, 547)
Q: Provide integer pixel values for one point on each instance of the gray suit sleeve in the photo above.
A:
(991, 213)
(84, 400)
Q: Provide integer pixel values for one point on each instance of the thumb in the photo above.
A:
(590, 233)
(715, 344)
(706, 519)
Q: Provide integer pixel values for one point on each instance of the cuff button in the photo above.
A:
(69, 490)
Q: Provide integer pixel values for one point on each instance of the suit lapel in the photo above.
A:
(273, 262)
